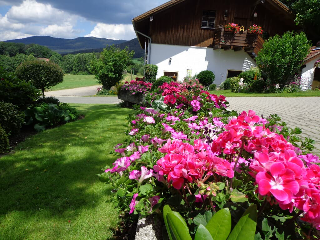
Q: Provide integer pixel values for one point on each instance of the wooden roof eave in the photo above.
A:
(156, 10)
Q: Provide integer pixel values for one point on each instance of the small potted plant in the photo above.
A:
(255, 29)
(232, 27)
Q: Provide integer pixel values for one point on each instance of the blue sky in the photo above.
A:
(71, 18)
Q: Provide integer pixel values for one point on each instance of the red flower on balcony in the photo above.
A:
(232, 27)
(255, 29)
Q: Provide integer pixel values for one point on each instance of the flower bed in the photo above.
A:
(194, 155)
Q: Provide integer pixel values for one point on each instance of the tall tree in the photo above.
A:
(307, 14)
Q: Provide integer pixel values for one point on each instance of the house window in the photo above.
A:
(208, 19)
(173, 75)
(233, 73)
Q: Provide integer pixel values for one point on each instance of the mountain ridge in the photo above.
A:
(80, 44)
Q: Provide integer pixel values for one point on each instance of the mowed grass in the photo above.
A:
(75, 81)
(228, 93)
(49, 188)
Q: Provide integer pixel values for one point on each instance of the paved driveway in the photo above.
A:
(303, 112)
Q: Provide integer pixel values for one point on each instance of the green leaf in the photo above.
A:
(200, 219)
(221, 185)
(208, 215)
(178, 227)
(203, 233)
(145, 189)
(246, 227)
(237, 196)
(166, 210)
(220, 224)
(258, 237)
(280, 236)
(121, 192)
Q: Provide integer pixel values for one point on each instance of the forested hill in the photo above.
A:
(132, 45)
(64, 46)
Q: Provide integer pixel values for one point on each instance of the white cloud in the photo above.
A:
(8, 35)
(31, 11)
(31, 18)
(113, 31)
(61, 31)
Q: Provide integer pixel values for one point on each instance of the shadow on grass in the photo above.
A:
(56, 171)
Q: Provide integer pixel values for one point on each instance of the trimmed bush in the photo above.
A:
(16, 91)
(212, 87)
(226, 84)
(160, 81)
(11, 119)
(4, 141)
(41, 74)
(150, 72)
(206, 77)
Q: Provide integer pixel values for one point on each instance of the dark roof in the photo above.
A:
(175, 2)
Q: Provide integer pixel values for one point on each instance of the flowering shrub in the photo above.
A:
(199, 159)
(137, 86)
(232, 27)
(255, 29)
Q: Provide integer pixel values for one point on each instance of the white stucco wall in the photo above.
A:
(198, 59)
(307, 75)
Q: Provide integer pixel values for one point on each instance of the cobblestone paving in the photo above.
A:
(302, 112)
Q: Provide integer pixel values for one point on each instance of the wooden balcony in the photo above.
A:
(251, 43)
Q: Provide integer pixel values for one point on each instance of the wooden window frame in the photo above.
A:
(208, 19)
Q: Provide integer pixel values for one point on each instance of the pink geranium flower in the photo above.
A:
(280, 182)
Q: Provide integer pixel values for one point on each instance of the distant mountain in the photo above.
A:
(64, 46)
(132, 45)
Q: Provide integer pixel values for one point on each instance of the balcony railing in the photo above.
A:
(251, 43)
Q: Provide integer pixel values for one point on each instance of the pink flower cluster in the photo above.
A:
(279, 173)
(186, 163)
(182, 95)
(136, 86)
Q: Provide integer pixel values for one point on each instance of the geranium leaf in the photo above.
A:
(237, 196)
(202, 233)
(220, 224)
(246, 227)
(200, 219)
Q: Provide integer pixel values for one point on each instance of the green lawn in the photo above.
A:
(75, 81)
(228, 93)
(49, 187)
